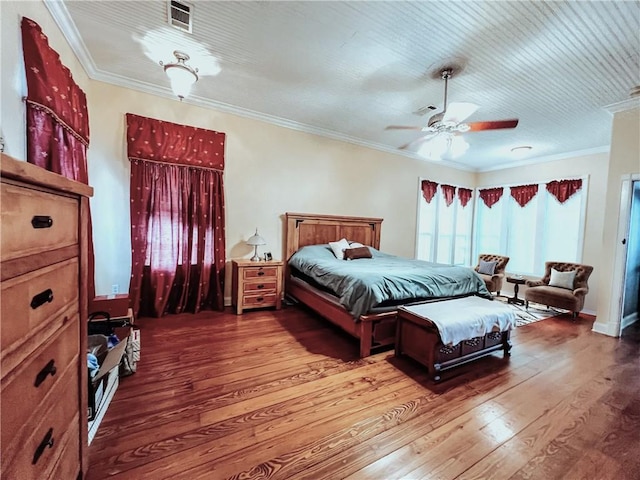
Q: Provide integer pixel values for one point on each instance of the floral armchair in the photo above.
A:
(491, 269)
(564, 285)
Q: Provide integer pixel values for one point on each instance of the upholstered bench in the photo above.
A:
(444, 334)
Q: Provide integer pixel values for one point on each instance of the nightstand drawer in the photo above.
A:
(34, 222)
(259, 272)
(256, 287)
(266, 300)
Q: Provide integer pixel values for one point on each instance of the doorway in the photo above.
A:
(630, 304)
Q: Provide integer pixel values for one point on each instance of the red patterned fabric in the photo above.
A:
(177, 222)
(464, 195)
(148, 139)
(449, 193)
(428, 190)
(57, 118)
(491, 195)
(524, 193)
(563, 190)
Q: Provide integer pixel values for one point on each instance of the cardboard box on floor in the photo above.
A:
(100, 384)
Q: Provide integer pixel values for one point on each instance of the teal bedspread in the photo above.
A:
(364, 283)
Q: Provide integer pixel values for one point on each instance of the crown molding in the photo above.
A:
(60, 14)
(548, 158)
(628, 104)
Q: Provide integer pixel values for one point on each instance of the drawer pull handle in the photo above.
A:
(42, 298)
(260, 299)
(47, 441)
(260, 273)
(42, 221)
(49, 369)
(260, 287)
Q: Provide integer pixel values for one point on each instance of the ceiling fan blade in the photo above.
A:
(402, 127)
(494, 125)
(459, 111)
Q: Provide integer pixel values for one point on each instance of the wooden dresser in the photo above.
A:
(256, 284)
(43, 330)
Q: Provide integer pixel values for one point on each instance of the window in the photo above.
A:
(444, 224)
(544, 229)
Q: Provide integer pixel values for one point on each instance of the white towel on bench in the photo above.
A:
(465, 318)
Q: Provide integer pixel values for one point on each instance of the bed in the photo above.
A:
(374, 328)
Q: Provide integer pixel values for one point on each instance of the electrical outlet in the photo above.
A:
(115, 289)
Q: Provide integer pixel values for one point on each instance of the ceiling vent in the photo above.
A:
(181, 15)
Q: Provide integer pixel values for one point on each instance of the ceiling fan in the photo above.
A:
(445, 127)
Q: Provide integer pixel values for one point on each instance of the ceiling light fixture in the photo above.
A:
(445, 146)
(521, 151)
(181, 75)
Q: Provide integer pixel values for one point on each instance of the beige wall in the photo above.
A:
(595, 167)
(269, 170)
(625, 159)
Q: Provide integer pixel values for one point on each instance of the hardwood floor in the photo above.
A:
(283, 395)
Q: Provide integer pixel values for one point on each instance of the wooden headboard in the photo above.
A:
(309, 229)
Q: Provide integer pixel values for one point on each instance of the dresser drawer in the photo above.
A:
(35, 221)
(260, 272)
(269, 285)
(31, 301)
(257, 300)
(37, 447)
(69, 462)
(24, 390)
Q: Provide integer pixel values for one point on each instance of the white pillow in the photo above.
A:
(562, 279)
(487, 268)
(356, 245)
(339, 247)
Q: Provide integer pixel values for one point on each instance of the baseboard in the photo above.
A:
(605, 329)
(628, 320)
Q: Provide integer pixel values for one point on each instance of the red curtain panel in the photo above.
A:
(428, 190)
(449, 193)
(491, 195)
(57, 118)
(177, 217)
(464, 195)
(524, 193)
(563, 190)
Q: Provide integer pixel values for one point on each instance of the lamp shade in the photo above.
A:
(181, 80)
(256, 239)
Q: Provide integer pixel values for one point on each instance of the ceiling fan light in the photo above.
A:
(444, 146)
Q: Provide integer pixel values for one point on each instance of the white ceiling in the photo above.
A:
(348, 69)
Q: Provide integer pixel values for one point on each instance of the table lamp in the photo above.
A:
(254, 241)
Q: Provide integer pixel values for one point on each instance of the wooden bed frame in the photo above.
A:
(374, 331)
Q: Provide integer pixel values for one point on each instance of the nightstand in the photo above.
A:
(256, 284)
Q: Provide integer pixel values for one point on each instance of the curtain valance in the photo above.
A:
(161, 141)
(449, 193)
(491, 195)
(563, 190)
(428, 190)
(50, 85)
(464, 195)
(524, 193)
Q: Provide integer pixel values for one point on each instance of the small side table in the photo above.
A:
(517, 281)
(256, 284)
